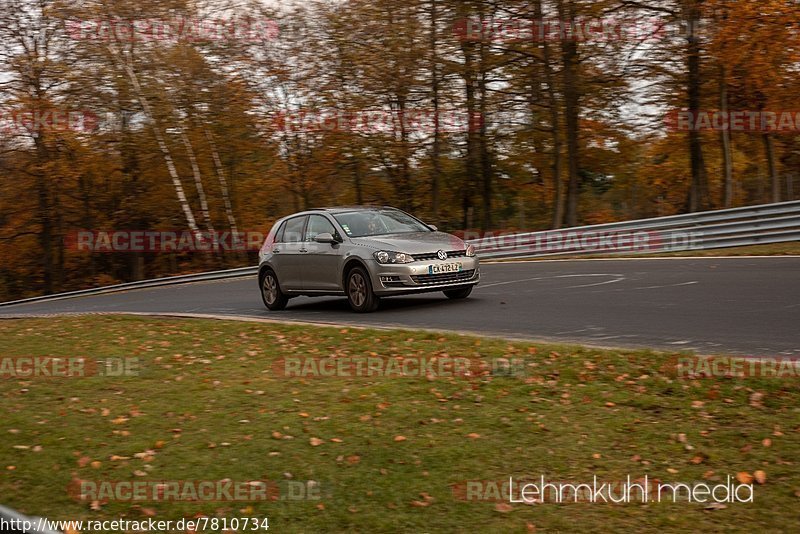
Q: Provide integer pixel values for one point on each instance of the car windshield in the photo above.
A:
(378, 222)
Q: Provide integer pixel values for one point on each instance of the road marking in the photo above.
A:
(484, 286)
(659, 287)
(619, 278)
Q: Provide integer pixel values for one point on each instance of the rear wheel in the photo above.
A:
(271, 292)
(359, 291)
(460, 293)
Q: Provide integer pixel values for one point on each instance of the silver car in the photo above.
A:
(363, 253)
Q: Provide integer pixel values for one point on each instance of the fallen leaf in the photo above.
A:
(473, 435)
(400, 438)
(316, 442)
(744, 477)
(503, 508)
(760, 476)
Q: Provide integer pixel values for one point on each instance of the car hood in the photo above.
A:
(415, 243)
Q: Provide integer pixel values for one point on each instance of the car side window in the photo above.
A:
(317, 224)
(279, 233)
(293, 230)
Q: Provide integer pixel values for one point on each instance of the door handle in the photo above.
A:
(276, 250)
(303, 250)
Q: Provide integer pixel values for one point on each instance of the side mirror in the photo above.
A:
(433, 227)
(325, 238)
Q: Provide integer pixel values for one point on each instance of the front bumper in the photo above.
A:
(415, 277)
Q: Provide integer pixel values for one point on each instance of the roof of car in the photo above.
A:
(340, 209)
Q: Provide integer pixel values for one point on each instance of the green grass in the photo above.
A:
(208, 401)
(774, 249)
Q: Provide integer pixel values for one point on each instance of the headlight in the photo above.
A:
(386, 257)
(470, 250)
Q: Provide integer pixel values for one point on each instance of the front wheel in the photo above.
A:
(360, 295)
(460, 293)
(271, 292)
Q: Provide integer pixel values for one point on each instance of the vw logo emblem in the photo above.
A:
(442, 255)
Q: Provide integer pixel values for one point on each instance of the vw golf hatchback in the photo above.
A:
(363, 253)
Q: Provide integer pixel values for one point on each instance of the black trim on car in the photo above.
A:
(434, 255)
(444, 278)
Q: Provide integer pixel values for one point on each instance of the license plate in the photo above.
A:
(440, 268)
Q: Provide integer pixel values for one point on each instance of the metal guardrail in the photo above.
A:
(767, 223)
(158, 282)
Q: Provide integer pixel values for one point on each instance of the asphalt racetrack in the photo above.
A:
(737, 306)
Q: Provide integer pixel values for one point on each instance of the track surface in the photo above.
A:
(742, 306)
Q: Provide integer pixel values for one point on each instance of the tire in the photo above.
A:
(271, 293)
(360, 295)
(460, 293)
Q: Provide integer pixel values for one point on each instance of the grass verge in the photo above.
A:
(208, 405)
(775, 249)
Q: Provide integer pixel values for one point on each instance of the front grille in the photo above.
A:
(444, 278)
(433, 256)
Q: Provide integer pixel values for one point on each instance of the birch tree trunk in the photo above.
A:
(223, 184)
(162, 143)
